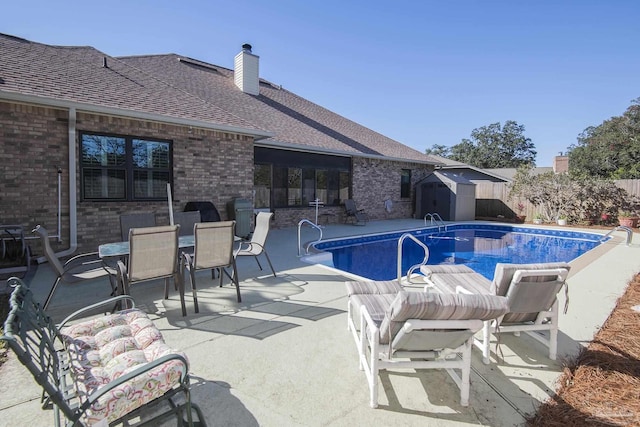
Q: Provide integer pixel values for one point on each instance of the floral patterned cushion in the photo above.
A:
(103, 349)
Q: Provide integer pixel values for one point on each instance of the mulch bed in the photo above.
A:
(602, 386)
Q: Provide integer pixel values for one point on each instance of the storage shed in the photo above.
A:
(447, 194)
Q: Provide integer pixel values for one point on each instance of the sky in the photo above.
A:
(420, 72)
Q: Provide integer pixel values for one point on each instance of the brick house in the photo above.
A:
(86, 137)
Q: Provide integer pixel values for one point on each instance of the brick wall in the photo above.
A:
(208, 165)
(375, 181)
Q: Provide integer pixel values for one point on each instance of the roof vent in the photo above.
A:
(246, 75)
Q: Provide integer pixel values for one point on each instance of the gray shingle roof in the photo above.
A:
(293, 119)
(183, 88)
(79, 74)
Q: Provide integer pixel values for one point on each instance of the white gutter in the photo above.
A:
(308, 149)
(121, 112)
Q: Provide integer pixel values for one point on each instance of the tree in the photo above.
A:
(438, 150)
(611, 149)
(496, 146)
(577, 198)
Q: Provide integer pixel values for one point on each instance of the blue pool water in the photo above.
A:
(480, 247)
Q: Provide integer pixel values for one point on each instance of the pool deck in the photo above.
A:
(284, 357)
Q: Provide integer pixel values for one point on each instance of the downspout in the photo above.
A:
(73, 213)
(73, 208)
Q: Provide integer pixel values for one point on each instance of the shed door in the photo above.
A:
(436, 198)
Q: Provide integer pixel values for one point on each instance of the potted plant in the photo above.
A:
(520, 218)
(537, 219)
(562, 219)
(628, 219)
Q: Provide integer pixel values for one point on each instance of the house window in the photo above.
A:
(296, 178)
(405, 183)
(262, 186)
(124, 167)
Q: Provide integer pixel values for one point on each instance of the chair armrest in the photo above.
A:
(138, 371)
(72, 260)
(110, 301)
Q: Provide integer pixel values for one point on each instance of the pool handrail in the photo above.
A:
(435, 219)
(628, 230)
(313, 225)
(413, 267)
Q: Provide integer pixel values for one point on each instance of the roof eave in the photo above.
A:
(121, 112)
(300, 147)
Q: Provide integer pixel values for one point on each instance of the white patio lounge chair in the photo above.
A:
(531, 290)
(420, 330)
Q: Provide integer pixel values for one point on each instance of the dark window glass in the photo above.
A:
(280, 187)
(124, 168)
(405, 183)
(299, 178)
(262, 186)
(294, 193)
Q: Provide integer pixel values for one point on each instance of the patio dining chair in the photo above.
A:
(186, 221)
(83, 267)
(135, 220)
(256, 246)
(531, 290)
(213, 250)
(359, 216)
(153, 254)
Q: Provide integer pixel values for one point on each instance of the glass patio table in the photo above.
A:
(120, 249)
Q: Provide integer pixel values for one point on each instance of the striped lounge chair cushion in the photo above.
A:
(438, 306)
(373, 287)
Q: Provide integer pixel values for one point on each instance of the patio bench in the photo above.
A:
(103, 371)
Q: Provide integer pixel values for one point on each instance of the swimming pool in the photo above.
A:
(479, 246)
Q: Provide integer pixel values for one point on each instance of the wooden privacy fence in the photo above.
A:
(492, 199)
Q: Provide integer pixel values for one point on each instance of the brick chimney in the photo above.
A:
(561, 164)
(245, 73)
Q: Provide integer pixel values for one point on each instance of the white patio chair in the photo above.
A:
(153, 254)
(213, 250)
(531, 290)
(420, 330)
(255, 246)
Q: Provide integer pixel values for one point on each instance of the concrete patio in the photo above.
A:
(284, 357)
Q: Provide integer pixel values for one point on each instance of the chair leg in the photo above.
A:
(269, 261)
(486, 341)
(192, 279)
(53, 289)
(178, 279)
(466, 373)
(234, 278)
(258, 261)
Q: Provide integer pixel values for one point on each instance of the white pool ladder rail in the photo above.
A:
(628, 230)
(312, 225)
(435, 219)
(413, 267)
